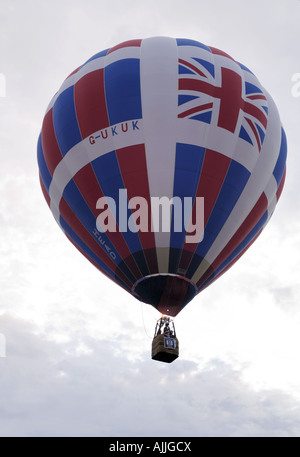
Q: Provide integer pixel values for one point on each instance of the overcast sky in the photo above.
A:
(77, 347)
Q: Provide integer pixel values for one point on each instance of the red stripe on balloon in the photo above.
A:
(90, 103)
(249, 223)
(214, 169)
(229, 265)
(133, 168)
(50, 146)
(91, 191)
(44, 190)
(72, 220)
(220, 53)
(280, 187)
(73, 72)
(126, 44)
(178, 290)
(95, 264)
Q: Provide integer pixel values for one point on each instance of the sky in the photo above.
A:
(74, 348)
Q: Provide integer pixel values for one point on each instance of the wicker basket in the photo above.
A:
(165, 349)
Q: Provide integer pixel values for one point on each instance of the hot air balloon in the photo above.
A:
(162, 160)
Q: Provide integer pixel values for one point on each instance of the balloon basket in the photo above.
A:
(165, 349)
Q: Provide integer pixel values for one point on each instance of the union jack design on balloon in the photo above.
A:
(162, 117)
(234, 95)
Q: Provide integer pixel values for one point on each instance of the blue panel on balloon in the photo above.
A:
(97, 56)
(246, 241)
(109, 177)
(280, 164)
(44, 172)
(78, 241)
(188, 42)
(234, 183)
(65, 121)
(189, 160)
(123, 93)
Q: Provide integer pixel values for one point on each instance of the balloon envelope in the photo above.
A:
(162, 160)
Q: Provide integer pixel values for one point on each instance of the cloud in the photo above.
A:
(85, 388)
(77, 359)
